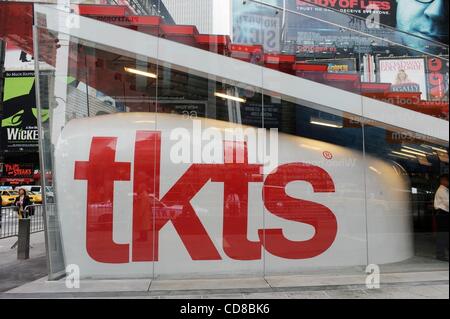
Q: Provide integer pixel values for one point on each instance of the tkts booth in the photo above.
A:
(220, 160)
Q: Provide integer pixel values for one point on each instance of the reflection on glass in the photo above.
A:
(158, 188)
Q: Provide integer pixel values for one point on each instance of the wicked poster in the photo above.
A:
(19, 131)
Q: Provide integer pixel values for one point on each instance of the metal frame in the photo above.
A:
(13, 230)
(40, 143)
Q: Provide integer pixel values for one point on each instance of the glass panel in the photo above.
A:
(210, 180)
(48, 79)
(402, 223)
(121, 166)
(210, 186)
(315, 216)
(146, 182)
(90, 84)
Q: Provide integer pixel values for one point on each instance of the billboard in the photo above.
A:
(405, 75)
(320, 22)
(19, 119)
(254, 24)
(15, 170)
(361, 8)
(437, 79)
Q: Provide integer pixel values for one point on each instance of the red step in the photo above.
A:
(214, 43)
(343, 77)
(102, 10)
(247, 53)
(305, 67)
(145, 24)
(374, 87)
(280, 62)
(180, 33)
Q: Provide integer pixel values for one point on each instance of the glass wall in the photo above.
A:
(169, 161)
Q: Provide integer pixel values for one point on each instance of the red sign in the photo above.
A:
(151, 212)
(16, 181)
(437, 78)
(18, 170)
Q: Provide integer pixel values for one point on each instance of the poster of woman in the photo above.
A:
(405, 74)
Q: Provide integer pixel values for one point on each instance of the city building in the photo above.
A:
(210, 17)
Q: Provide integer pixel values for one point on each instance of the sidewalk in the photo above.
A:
(418, 277)
(409, 285)
(13, 272)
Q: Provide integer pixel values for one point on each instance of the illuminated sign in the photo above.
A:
(18, 170)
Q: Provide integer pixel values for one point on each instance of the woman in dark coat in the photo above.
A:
(22, 201)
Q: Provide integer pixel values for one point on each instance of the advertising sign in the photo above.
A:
(411, 17)
(360, 8)
(405, 75)
(188, 198)
(337, 65)
(17, 170)
(262, 24)
(19, 119)
(437, 79)
(319, 21)
(256, 28)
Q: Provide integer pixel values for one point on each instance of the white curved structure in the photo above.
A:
(156, 214)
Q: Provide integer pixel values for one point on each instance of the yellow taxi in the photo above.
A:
(8, 197)
(35, 198)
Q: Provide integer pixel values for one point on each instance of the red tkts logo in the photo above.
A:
(151, 211)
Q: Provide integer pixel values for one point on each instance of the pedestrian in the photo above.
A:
(22, 201)
(441, 207)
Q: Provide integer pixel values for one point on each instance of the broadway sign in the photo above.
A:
(19, 122)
